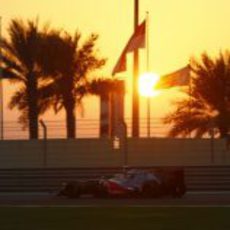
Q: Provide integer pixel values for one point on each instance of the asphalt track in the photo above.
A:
(191, 199)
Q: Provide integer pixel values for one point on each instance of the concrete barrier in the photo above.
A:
(142, 152)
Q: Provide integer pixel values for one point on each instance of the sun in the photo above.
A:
(146, 84)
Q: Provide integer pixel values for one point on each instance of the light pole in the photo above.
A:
(1, 85)
(147, 68)
(135, 96)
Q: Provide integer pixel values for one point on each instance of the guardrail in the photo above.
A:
(197, 178)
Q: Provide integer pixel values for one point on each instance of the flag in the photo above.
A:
(180, 77)
(136, 41)
(121, 64)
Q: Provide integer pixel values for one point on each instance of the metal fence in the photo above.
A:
(85, 128)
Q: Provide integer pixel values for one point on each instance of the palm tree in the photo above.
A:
(103, 86)
(208, 103)
(21, 52)
(69, 69)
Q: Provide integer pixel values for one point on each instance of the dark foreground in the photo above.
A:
(47, 212)
(113, 218)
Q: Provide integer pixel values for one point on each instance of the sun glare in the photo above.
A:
(147, 81)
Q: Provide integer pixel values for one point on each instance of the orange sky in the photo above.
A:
(178, 29)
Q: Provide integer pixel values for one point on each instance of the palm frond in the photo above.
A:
(19, 99)
(209, 99)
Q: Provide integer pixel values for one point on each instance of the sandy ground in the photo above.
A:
(50, 200)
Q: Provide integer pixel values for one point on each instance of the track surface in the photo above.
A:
(45, 199)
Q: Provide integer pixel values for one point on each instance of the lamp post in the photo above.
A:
(135, 96)
(147, 68)
(1, 86)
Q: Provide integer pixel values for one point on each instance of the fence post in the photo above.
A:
(120, 142)
(44, 127)
(125, 144)
(212, 144)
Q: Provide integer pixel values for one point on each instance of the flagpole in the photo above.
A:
(135, 96)
(147, 41)
(190, 103)
(147, 69)
(1, 85)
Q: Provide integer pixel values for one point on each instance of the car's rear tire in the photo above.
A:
(179, 191)
(150, 190)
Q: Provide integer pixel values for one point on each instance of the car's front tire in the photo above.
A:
(72, 190)
(101, 192)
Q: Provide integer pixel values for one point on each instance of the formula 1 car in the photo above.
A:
(75, 189)
(140, 183)
(133, 183)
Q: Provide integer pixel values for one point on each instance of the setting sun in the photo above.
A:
(147, 81)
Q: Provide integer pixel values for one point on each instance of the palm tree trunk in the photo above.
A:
(104, 115)
(32, 107)
(223, 123)
(223, 132)
(70, 121)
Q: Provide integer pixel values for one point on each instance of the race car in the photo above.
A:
(131, 183)
(140, 183)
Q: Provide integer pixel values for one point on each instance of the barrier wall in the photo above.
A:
(174, 152)
(100, 153)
